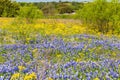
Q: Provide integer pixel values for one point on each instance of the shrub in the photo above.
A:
(8, 8)
(30, 13)
(101, 15)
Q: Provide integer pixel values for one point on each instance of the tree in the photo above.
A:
(30, 13)
(77, 5)
(8, 8)
(99, 14)
(65, 8)
(49, 9)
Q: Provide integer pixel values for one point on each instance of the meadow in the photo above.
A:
(56, 49)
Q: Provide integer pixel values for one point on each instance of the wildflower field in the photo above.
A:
(56, 49)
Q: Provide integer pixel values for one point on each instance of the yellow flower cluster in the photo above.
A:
(49, 78)
(21, 68)
(114, 54)
(35, 50)
(15, 76)
(58, 55)
(78, 59)
(96, 79)
(31, 76)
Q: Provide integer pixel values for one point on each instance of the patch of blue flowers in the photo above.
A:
(101, 58)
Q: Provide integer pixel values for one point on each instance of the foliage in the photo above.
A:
(8, 8)
(65, 8)
(12, 9)
(77, 6)
(30, 12)
(49, 9)
(104, 17)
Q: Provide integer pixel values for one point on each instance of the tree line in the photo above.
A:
(10, 8)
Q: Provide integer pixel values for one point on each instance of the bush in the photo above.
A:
(49, 9)
(101, 15)
(65, 8)
(30, 13)
(8, 8)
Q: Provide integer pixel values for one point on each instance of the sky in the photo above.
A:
(48, 0)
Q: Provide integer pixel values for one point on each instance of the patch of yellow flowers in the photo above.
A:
(96, 79)
(49, 78)
(58, 55)
(17, 76)
(114, 54)
(48, 28)
(28, 32)
(21, 68)
(20, 76)
(31, 76)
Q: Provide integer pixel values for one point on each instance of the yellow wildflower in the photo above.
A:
(35, 50)
(31, 76)
(49, 78)
(96, 79)
(114, 54)
(59, 55)
(78, 60)
(21, 68)
(27, 77)
(27, 39)
(81, 55)
(15, 76)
